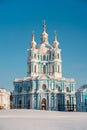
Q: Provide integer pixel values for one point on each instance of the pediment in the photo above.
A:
(44, 48)
(44, 77)
(85, 90)
(43, 91)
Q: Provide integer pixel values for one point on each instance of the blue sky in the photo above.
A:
(17, 20)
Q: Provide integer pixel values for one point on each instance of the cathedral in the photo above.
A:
(44, 87)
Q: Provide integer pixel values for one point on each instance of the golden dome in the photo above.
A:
(33, 43)
(55, 43)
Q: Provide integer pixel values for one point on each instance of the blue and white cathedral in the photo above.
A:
(44, 88)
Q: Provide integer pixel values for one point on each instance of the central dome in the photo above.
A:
(44, 36)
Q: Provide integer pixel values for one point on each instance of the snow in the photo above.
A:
(42, 120)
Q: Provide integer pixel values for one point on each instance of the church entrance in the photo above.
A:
(43, 104)
(20, 104)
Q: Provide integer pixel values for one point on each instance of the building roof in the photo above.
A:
(2, 90)
(82, 88)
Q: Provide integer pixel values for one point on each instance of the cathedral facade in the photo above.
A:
(44, 88)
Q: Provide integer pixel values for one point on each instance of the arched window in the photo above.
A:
(28, 88)
(53, 68)
(58, 55)
(58, 68)
(35, 56)
(44, 69)
(29, 68)
(53, 55)
(35, 68)
(20, 89)
(43, 86)
(67, 103)
(38, 56)
(59, 88)
(50, 55)
(44, 57)
(67, 89)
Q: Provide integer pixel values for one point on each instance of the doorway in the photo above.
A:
(20, 104)
(43, 104)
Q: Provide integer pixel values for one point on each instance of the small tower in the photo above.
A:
(57, 58)
(44, 36)
(33, 43)
(55, 43)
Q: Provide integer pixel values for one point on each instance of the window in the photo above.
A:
(67, 89)
(29, 68)
(50, 55)
(53, 56)
(35, 68)
(28, 88)
(53, 68)
(68, 104)
(58, 68)
(44, 87)
(38, 56)
(30, 54)
(44, 69)
(59, 88)
(35, 56)
(58, 55)
(44, 57)
(20, 89)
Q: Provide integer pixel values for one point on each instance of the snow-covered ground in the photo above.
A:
(42, 120)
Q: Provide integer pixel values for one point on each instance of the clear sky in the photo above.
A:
(17, 20)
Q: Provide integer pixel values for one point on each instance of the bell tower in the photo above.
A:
(32, 65)
(57, 58)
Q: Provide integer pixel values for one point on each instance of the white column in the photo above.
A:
(49, 101)
(30, 101)
(38, 102)
(54, 101)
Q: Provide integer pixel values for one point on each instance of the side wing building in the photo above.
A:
(81, 99)
(44, 88)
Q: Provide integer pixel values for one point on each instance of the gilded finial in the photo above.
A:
(32, 35)
(33, 43)
(44, 25)
(55, 36)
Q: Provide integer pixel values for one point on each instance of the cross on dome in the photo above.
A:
(44, 25)
(44, 37)
(33, 43)
(32, 35)
(55, 43)
(55, 36)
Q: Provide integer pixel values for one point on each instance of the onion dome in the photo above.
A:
(33, 43)
(55, 43)
(44, 37)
